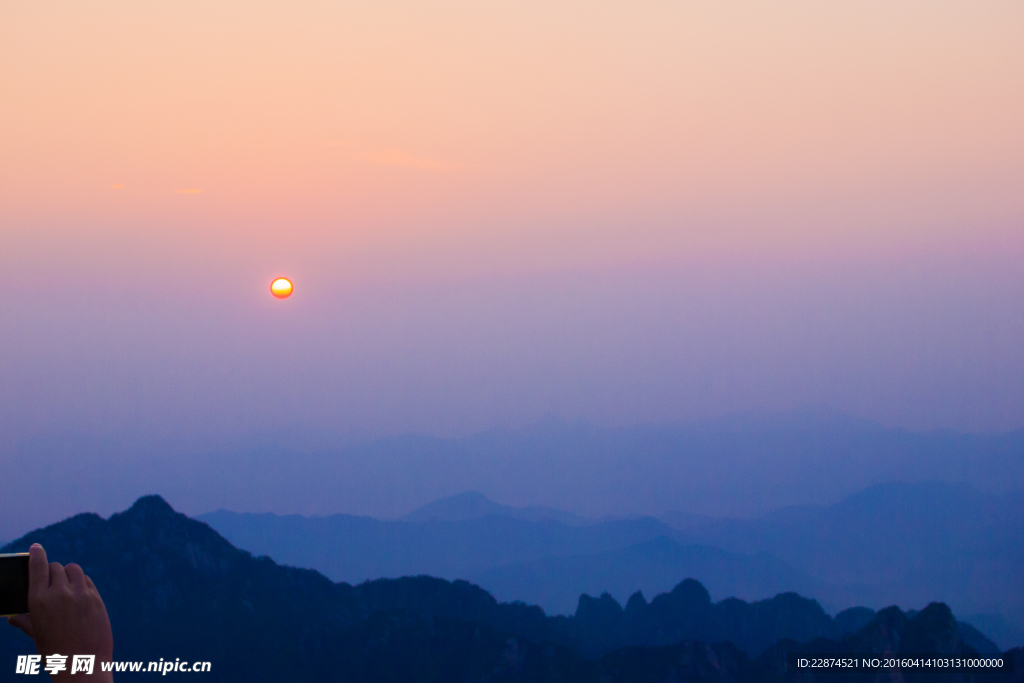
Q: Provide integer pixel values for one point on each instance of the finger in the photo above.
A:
(76, 577)
(23, 622)
(58, 577)
(38, 571)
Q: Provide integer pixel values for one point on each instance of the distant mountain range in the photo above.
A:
(737, 466)
(896, 543)
(355, 549)
(890, 544)
(175, 588)
(651, 566)
(474, 505)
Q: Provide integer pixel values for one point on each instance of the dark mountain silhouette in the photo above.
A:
(996, 627)
(687, 613)
(933, 630)
(897, 542)
(890, 544)
(652, 567)
(175, 588)
(546, 563)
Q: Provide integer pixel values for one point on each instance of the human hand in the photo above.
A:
(66, 615)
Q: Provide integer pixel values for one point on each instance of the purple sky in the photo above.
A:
(619, 214)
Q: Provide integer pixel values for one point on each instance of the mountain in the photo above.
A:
(174, 587)
(687, 613)
(474, 505)
(737, 466)
(995, 626)
(543, 562)
(896, 543)
(651, 567)
(933, 630)
(355, 549)
(904, 543)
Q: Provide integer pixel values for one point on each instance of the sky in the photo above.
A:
(493, 213)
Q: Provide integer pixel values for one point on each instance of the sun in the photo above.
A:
(281, 288)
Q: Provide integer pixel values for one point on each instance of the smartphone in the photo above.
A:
(13, 584)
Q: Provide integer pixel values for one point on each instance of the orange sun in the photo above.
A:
(281, 288)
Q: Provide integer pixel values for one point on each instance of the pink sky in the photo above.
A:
(493, 212)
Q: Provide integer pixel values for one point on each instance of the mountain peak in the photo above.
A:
(148, 510)
(149, 505)
(474, 505)
(461, 506)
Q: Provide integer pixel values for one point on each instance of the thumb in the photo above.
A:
(38, 571)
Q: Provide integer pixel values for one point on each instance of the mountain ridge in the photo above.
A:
(851, 552)
(735, 466)
(175, 587)
(473, 505)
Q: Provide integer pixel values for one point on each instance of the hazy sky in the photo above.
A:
(493, 212)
